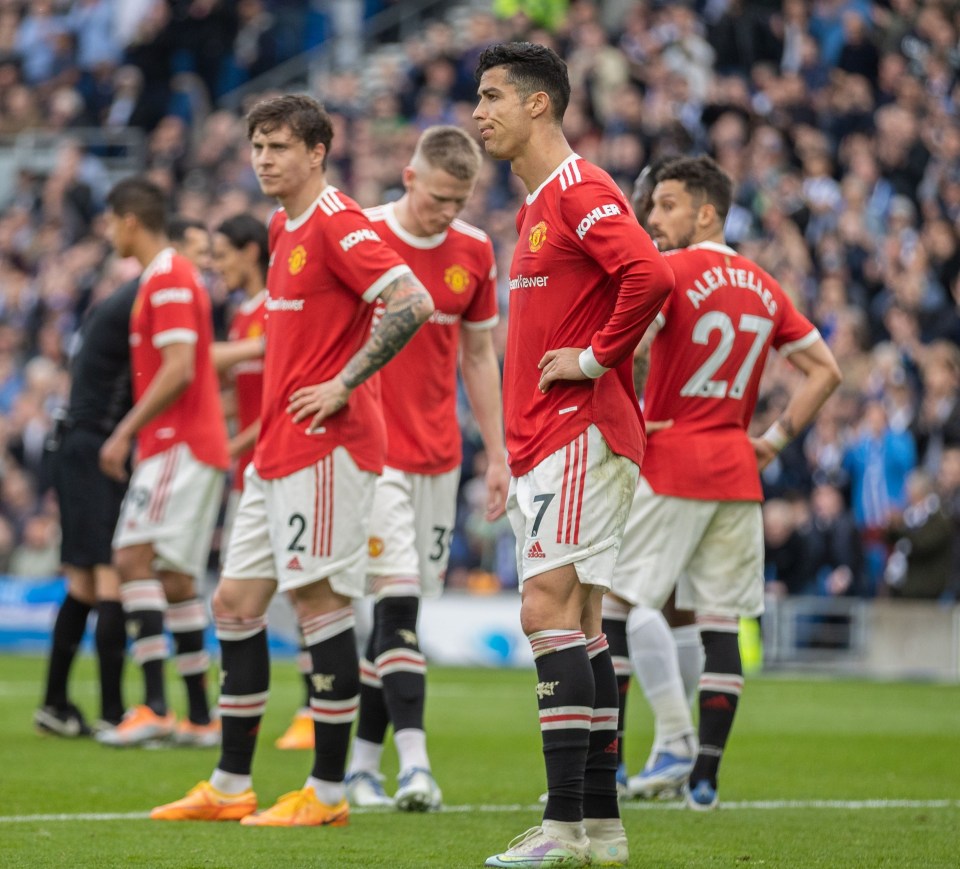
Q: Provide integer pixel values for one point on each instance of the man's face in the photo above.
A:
(282, 162)
(672, 222)
(119, 232)
(435, 198)
(500, 115)
(196, 247)
(228, 262)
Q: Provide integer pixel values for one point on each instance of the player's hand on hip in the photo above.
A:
(562, 364)
(764, 451)
(497, 479)
(318, 402)
(113, 456)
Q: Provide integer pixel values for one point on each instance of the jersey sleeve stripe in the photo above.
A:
(174, 336)
(387, 277)
(800, 344)
(331, 203)
(481, 325)
(469, 229)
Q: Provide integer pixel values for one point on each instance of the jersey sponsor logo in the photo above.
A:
(611, 209)
(523, 282)
(375, 547)
(171, 295)
(536, 551)
(284, 304)
(538, 236)
(294, 564)
(546, 689)
(355, 237)
(457, 278)
(297, 259)
(440, 318)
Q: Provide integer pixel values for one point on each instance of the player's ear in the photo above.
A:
(318, 155)
(539, 103)
(407, 176)
(707, 214)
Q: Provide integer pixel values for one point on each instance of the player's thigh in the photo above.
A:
(89, 500)
(393, 538)
(172, 504)
(572, 509)
(435, 509)
(725, 576)
(661, 536)
(319, 521)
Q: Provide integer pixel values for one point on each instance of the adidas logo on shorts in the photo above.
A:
(536, 551)
(294, 564)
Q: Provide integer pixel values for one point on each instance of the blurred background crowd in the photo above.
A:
(837, 119)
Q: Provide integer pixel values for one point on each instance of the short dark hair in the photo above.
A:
(177, 227)
(530, 68)
(306, 118)
(243, 229)
(641, 198)
(141, 198)
(702, 177)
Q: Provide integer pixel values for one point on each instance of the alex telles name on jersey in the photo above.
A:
(719, 276)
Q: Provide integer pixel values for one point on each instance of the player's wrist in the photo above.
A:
(776, 436)
(589, 365)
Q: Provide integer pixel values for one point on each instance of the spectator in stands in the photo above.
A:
(834, 544)
(937, 425)
(921, 564)
(878, 460)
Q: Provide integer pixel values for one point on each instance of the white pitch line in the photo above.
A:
(762, 805)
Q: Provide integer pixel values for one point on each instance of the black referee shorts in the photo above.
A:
(89, 500)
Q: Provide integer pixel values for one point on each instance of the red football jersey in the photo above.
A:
(584, 274)
(248, 322)
(419, 386)
(327, 267)
(705, 364)
(172, 307)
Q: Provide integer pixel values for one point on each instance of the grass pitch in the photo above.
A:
(833, 774)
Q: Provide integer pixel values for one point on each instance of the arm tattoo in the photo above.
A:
(787, 427)
(403, 315)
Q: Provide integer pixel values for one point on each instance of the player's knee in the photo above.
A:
(230, 602)
(81, 587)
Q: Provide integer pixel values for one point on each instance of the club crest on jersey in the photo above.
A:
(457, 278)
(375, 547)
(297, 259)
(538, 236)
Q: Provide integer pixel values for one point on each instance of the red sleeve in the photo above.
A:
(794, 332)
(357, 255)
(174, 307)
(483, 306)
(609, 233)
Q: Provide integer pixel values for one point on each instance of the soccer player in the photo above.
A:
(241, 257)
(162, 539)
(89, 507)
(695, 524)
(585, 282)
(415, 503)
(303, 518)
(664, 647)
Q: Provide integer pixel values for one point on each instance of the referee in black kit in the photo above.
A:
(100, 395)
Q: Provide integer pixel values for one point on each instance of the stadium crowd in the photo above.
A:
(836, 119)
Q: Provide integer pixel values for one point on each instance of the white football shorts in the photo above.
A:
(307, 526)
(711, 551)
(172, 503)
(411, 527)
(572, 509)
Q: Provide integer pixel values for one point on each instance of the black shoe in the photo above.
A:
(64, 721)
